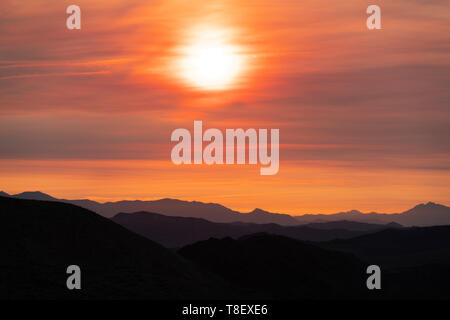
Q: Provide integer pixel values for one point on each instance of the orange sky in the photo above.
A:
(363, 115)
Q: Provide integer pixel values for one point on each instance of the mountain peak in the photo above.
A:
(258, 211)
(351, 212)
(34, 195)
(4, 194)
(428, 205)
(431, 204)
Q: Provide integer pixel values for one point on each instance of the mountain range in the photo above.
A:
(175, 232)
(428, 214)
(39, 239)
(414, 263)
(399, 247)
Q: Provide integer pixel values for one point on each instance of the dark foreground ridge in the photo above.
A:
(39, 240)
(279, 267)
(400, 247)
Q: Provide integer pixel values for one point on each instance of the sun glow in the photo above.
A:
(210, 62)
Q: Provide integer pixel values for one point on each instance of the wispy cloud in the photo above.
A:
(56, 74)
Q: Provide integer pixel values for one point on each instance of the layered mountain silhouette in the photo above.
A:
(415, 261)
(400, 247)
(171, 207)
(428, 214)
(40, 239)
(180, 231)
(278, 267)
(352, 225)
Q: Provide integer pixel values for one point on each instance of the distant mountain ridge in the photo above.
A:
(170, 207)
(421, 215)
(180, 231)
(429, 214)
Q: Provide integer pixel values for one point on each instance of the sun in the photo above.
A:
(209, 62)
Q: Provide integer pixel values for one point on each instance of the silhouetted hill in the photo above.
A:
(179, 231)
(39, 239)
(171, 207)
(210, 211)
(274, 266)
(175, 232)
(429, 214)
(415, 262)
(400, 247)
(34, 195)
(4, 194)
(353, 215)
(352, 225)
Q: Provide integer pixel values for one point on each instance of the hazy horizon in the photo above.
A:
(215, 202)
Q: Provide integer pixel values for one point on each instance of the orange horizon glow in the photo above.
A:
(80, 179)
(363, 116)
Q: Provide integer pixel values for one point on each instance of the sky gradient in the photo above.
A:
(363, 115)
